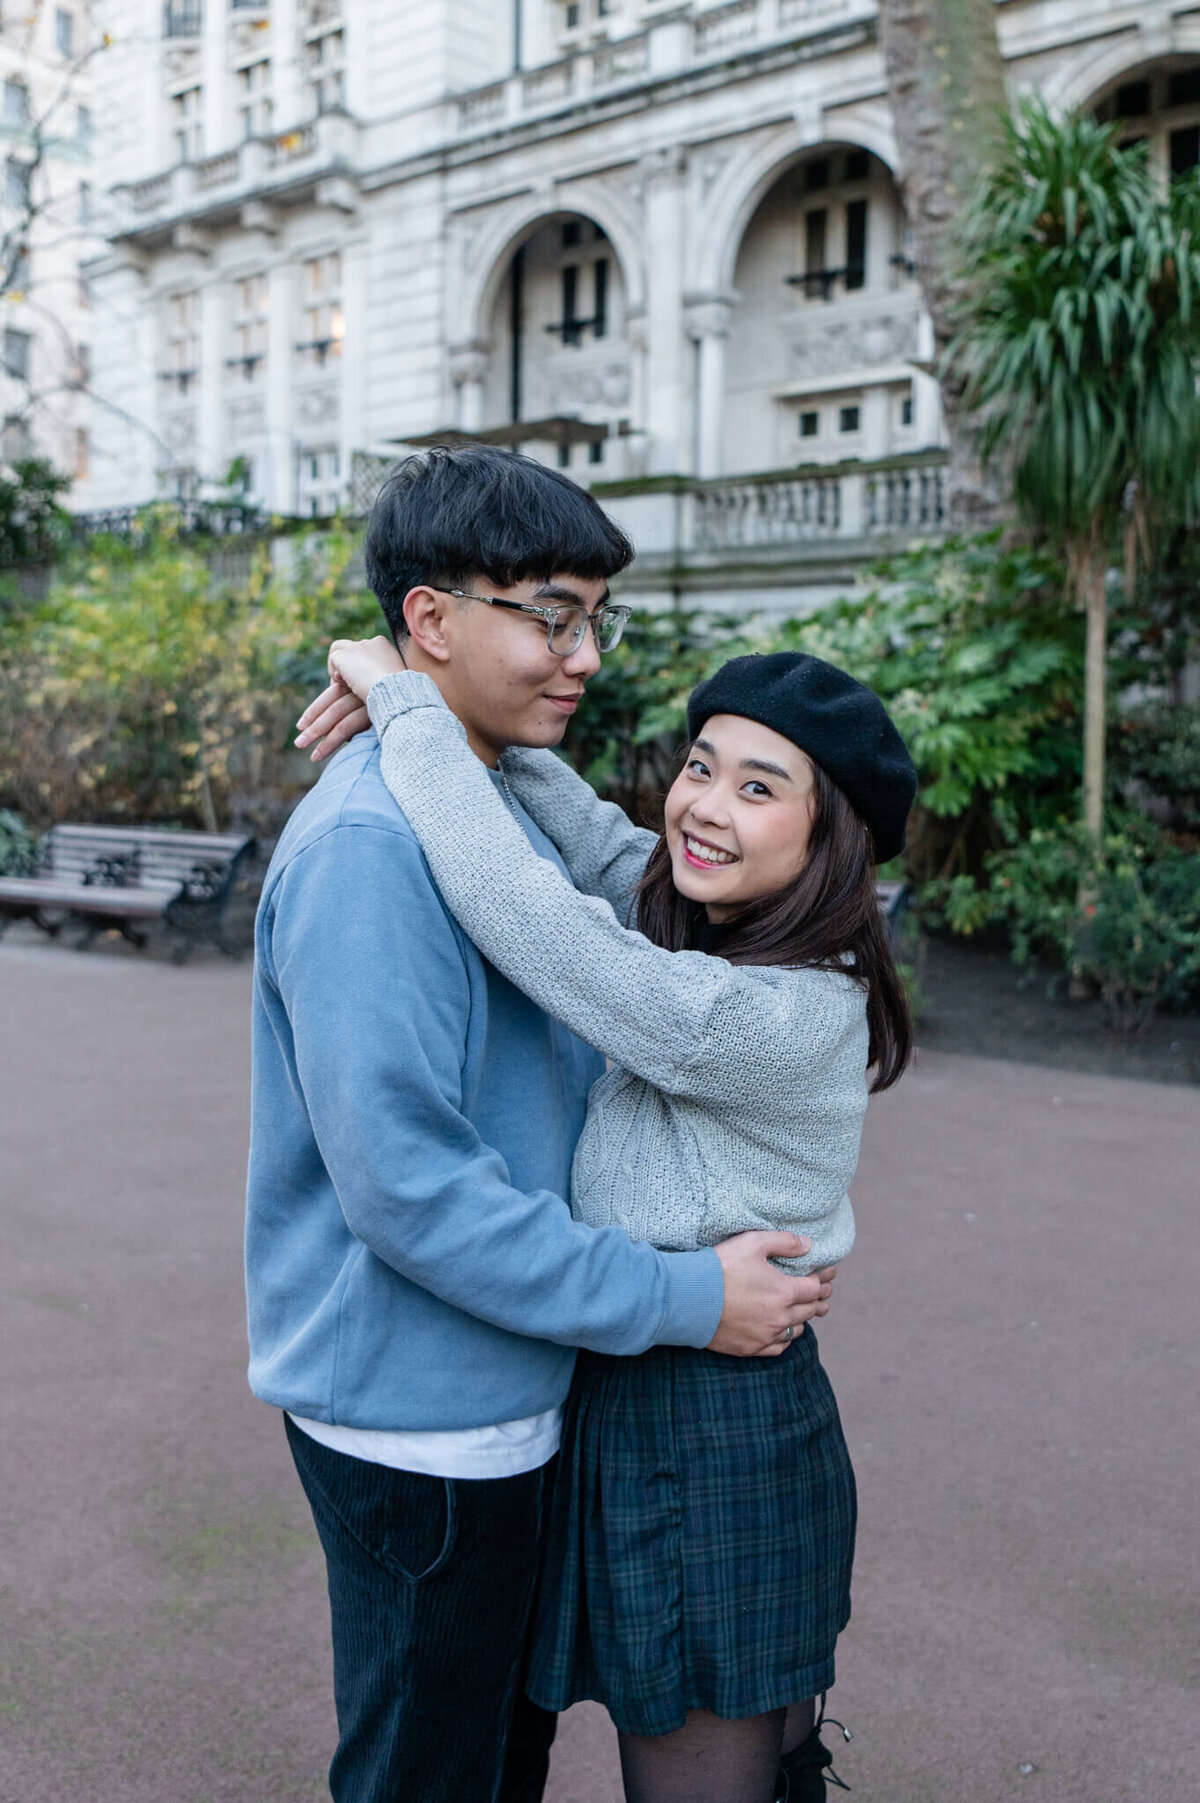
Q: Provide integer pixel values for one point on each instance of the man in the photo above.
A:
(416, 1284)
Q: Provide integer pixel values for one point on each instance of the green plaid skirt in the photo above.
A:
(700, 1538)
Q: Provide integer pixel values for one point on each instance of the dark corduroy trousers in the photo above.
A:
(431, 1582)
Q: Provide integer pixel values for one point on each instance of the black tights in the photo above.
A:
(711, 1760)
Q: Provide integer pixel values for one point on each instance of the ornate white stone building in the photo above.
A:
(48, 229)
(658, 243)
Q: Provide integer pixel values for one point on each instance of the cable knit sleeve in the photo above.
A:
(600, 846)
(691, 1025)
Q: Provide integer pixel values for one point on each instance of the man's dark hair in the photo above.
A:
(456, 514)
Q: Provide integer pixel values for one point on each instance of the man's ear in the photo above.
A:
(425, 613)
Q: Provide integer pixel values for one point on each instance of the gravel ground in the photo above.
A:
(1013, 1344)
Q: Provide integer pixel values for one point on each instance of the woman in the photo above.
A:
(701, 1537)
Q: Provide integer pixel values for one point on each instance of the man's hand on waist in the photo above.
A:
(762, 1302)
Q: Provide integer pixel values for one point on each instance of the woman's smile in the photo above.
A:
(704, 855)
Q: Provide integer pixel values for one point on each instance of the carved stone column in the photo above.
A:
(278, 485)
(212, 452)
(708, 318)
(662, 179)
(469, 364)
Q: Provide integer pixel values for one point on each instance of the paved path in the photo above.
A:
(1015, 1346)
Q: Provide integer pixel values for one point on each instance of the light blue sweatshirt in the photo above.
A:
(411, 1261)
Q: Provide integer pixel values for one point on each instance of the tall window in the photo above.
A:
(1161, 110)
(16, 103)
(856, 244)
(575, 14)
(83, 127)
(324, 327)
(85, 203)
(816, 258)
(326, 56)
(182, 339)
(187, 119)
(583, 284)
(15, 441)
(182, 19)
(83, 454)
(64, 32)
(600, 297)
(319, 484)
(572, 331)
(16, 353)
(834, 232)
(254, 99)
(17, 179)
(248, 347)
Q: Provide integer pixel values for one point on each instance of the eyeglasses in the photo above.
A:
(566, 627)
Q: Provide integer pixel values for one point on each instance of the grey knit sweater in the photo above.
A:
(736, 1094)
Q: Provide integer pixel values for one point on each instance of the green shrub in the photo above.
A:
(34, 527)
(18, 846)
(625, 739)
(139, 691)
(1154, 754)
(978, 656)
(1126, 916)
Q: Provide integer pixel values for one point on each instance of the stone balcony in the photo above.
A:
(804, 529)
(818, 514)
(313, 161)
(675, 45)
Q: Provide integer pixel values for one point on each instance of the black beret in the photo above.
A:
(836, 720)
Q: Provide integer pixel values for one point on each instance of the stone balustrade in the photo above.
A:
(780, 510)
(722, 31)
(797, 507)
(321, 147)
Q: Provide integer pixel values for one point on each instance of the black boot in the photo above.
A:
(802, 1772)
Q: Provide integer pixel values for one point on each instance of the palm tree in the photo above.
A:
(1078, 344)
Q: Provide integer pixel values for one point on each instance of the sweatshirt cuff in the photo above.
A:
(400, 693)
(695, 1299)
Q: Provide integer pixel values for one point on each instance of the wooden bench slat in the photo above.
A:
(128, 873)
(145, 901)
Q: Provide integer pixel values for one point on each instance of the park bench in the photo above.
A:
(128, 877)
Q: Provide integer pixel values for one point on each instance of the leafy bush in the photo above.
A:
(974, 649)
(978, 656)
(1155, 756)
(139, 691)
(18, 847)
(33, 526)
(1137, 934)
(635, 720)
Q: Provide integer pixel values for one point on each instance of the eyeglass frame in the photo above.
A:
(550, 614)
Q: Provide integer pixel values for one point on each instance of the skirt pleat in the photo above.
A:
(700, 1538)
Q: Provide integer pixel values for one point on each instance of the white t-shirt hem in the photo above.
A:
(504, 1449)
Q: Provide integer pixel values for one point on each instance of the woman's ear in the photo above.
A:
(425, 613)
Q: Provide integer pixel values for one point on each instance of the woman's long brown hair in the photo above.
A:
(828, 919)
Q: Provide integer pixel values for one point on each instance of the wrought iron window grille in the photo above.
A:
(322, 346)
(184, 377)
(572, 330)
(819, 283)
(902, 261)
(247, 363)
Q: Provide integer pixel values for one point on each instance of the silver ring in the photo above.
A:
(788, 1331)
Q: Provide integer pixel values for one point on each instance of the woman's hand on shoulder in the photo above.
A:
(339, 712)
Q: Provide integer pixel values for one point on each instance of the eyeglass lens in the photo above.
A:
(566, 633)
